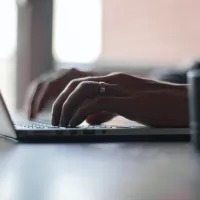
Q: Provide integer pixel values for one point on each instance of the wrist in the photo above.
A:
(176, 88)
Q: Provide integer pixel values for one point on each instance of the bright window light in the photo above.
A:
(8, 44)
(8, 24)
(77, 30)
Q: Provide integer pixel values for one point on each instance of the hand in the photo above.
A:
(125, 95)
(154, 109)
(48, 87)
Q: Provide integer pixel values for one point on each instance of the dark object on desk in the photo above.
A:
(172, 76)
(194, 103)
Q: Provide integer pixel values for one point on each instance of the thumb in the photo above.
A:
(100, 117)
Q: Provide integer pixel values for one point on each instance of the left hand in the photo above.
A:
(48, 87)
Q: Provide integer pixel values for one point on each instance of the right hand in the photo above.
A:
(80, 93)
(146, 101)
(48, 87)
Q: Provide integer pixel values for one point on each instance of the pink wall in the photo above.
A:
(151, 30)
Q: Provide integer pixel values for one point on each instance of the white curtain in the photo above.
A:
(77, 30)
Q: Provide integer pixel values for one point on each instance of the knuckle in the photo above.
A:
(118, 76)
(83, 85)
(42, 84)
(79, 82)
(89, 88)
(121, 75)
(46, 87)
(73, 83)
(33, 90)
(36, 84)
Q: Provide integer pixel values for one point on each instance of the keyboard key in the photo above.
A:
(36, 125)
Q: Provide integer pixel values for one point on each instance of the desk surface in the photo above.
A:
(131, 171)
(98, 171)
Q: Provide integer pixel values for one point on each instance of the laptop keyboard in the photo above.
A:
(40, 125)
(36, 125)
(46, 125)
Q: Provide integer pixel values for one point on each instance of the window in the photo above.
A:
(8, 34)
(77, 31)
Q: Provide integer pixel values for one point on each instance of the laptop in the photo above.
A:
(43, 132)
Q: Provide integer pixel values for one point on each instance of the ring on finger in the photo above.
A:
(102, 88)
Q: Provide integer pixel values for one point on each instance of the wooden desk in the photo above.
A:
(98, 171)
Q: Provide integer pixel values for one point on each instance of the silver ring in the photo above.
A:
(102, 88)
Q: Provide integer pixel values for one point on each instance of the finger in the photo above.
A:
(42, 90)
(92, 106)
(43, 97)
(34, 93)
(86, 90)
(57, 106)
(99, 118)
(113, 78)
(52, 88)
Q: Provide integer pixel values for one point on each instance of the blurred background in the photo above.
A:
(108, 35)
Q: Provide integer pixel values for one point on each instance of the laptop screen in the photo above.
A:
(6, 125)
